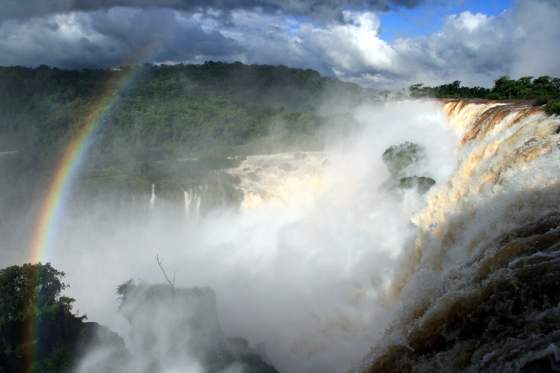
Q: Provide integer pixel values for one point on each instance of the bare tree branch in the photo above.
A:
(160, 264)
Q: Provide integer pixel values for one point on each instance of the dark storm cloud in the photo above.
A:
(113, 38)
(14, 9)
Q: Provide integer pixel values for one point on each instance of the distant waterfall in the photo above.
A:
(284, 180)
(192, 203)
(153, 196)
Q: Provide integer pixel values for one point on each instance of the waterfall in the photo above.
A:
(153, 196)
(477, 289)
(330, 261)
(285, 180)
(192, 203)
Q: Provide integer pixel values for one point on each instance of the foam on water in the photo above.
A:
(484, 260)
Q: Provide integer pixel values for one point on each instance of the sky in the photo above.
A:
(429, 17)
(375, 43)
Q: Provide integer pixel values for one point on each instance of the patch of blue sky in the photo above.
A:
(430, 16)
(294, 23)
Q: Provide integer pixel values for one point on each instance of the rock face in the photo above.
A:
(92, 334)
(421, 183)
(507, 321)
(178, 327)
(399, 158)
(59, 345)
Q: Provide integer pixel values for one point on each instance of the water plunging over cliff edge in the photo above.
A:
(318, 252)
(479, 285)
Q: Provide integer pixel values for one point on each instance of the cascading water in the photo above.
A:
(192, 203)
(301, 262)
(478, 286)
(320, 251)
(288, 180)
(153, 196)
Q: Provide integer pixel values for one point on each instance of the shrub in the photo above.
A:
(552, 108)
(540, 101)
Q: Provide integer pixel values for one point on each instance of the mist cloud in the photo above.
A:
(307, 278)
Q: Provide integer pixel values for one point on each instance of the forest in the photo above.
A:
(544, 90)
(149, 117)
(159, 110)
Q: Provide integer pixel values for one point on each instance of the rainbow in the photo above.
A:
(52, 207)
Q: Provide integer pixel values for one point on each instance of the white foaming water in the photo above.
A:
(192, 204)
(153, 196)
(305, 265)
(319, 258)
(503, 152)
(284, 181)
(506, 178)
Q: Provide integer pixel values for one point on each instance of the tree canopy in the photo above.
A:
(37, 326)
(158, 110)
(544, 90)
(154, 116)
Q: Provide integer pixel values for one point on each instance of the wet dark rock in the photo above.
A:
(399, 158)
(400, 161)
(421, 183)
(184, 321)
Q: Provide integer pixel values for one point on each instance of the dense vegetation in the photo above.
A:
(29, 294)
(159, 120)
(160, 111)
(38, 331)
(543, 90)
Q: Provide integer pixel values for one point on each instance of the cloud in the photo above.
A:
(472, 47)
(539, 47)
(477, 49)
(112, 38)
(344, 50)
(13, 9)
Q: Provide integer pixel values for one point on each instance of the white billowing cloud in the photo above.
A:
(472, 47)
(539, 34)
(351, 47)
(467, 21)
(344, 50)
(476, 48)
